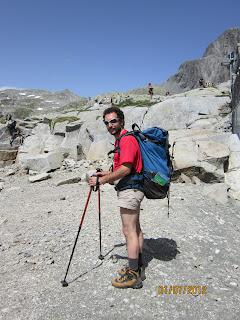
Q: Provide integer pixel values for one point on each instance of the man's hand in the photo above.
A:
(92, 181)
(102, 173)
(110, 177)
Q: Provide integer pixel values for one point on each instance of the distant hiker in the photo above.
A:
(167, 93)
(14, 131)
(96, 104)
(126, 168)
(201, 82)
(150, 90)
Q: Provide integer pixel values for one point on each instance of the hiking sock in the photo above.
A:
(140, 260)
(133, 264)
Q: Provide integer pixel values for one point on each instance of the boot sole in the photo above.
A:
(136, 286)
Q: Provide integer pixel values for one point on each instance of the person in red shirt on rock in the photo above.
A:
(150, 90)
(126, 176)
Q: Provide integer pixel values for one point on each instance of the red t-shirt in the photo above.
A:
(129, 153)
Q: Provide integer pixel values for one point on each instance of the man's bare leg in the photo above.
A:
(133, 235)
(140, 235)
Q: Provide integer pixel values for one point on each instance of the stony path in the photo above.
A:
(197, 245)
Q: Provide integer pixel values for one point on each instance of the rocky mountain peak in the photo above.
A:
(208, 67)
(224, 44)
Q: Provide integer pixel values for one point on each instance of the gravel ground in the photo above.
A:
(197, 245)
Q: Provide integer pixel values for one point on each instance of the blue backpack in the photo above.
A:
(157, 166)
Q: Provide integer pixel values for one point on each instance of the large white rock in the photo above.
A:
(234, 161)
(92, 130)
(193, 148)
(42, 129)
(70, 143)
(41, 162)
(185, 154)
(134, 115)
(98, 150)
(35, 143)
(211, 149)
(234, 143)
(232, 179)
(60, 127)
(39, 177)
(217, 192)
(32, 145)
(204, 123)
(179, 112)
(199, 135)
(53, 142)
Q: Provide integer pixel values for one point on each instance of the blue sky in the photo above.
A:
(96, 46)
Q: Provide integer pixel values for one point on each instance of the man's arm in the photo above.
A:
(121, 172)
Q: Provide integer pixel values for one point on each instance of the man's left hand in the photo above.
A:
(92, 181)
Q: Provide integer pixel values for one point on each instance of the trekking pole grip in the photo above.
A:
(97, 182)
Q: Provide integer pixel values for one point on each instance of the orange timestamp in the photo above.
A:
(182, 289)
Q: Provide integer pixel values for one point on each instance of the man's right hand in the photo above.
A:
(102, 173)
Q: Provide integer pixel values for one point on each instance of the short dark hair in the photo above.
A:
(118, 111)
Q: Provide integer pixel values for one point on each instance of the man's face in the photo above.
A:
(113, 123)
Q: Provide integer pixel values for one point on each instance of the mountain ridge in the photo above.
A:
(207, 67)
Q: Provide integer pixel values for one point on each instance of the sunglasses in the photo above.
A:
(111, 122)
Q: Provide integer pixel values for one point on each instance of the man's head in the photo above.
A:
(113, 118)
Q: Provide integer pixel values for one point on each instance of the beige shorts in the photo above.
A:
(130, 199)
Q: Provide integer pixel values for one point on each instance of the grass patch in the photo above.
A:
(69, 119)
(222, 95)
(137, 103)
(2, 120)
(73, 107)
(22, 112)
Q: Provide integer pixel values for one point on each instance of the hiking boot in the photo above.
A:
(130, 279)
(123, 270)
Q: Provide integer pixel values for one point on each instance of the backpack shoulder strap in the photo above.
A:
(117, 148)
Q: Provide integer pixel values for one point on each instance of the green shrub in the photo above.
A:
(69, 119)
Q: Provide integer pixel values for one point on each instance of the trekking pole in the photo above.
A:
(101, 257)
(64, 282)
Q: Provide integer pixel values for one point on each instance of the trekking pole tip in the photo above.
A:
(64, 283)
(101, 257)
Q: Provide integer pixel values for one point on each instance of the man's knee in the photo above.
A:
(129, 230)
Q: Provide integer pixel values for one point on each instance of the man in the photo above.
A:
(201, 82)
(127, 166)
(150, 90)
